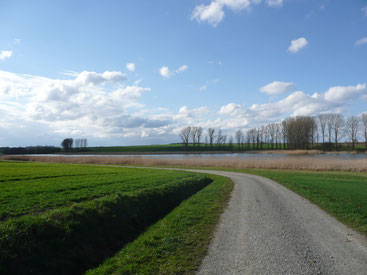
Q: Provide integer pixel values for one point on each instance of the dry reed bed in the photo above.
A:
(289, 163)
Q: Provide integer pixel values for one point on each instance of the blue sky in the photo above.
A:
(229, 64)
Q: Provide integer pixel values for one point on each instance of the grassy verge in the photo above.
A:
(177, 243)
(73, 235)
(341, 194)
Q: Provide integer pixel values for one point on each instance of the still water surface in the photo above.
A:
(222, 156)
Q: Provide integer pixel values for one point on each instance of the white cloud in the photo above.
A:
(182, 69)
(277, 87)
(17, 41)
(364, 10)
(165, 72)
(341, 94)
(104, 106)
(203, 88)
(230, 109)
(5, 54)
(274, 3)
(297, 103)
(130, 66)
(297, 45)
(82, 104)
(361, 41)
(212, 13)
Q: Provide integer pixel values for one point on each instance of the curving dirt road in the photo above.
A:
(268, 229)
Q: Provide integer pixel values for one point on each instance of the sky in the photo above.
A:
(137, 71)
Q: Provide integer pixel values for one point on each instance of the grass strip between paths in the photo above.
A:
(177, 243)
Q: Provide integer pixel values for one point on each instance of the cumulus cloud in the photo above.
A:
(297, 45)
(297, 103)
(277, 87)
(274, 3)
(5, 54)
(165, 72)
(84, 103)
(230, 109)
(105, 106)
(130, 66)
(361, 41)
(182, 69)
(213, 13)
(341, 94)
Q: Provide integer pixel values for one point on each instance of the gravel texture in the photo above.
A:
(268, 229)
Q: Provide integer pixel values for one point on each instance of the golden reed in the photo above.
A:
(286, 163)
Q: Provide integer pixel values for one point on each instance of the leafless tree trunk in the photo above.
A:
(337, 121)
(211, 132)
(185, 136)
(352, 124)
(199, 134)
(364, 123)
(322, 122)
(230, 143)
(239, 138)
(194, 132)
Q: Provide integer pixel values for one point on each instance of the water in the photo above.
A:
(221, 156)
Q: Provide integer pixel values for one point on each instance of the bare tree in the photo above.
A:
(364, 123)
(194, 133)
(329, 124)
(239, 136)
(337, 122)
(219, 137)
(211, 132)
(185, 136)
(352, 124)
(322, 122)
(230, 143)
(284, 132)
(199, 134)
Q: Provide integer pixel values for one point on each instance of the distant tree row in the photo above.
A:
(80, 144)
(29, 150)
(324, 132)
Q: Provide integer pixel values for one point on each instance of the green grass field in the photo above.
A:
(26, 188)
(67, 218)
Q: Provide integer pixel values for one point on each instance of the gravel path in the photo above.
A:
(268, 229)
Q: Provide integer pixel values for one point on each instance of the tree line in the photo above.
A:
(80, 144)
(29, 150)
(323, 132)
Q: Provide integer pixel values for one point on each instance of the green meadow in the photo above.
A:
(67, 218)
